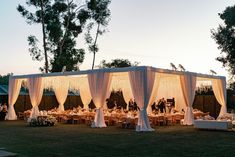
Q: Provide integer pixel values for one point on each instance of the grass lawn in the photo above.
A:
(82, 141)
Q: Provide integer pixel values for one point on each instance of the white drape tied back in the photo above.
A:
(188, 86)
(61, 87)
(13, 93)
(99, 84)
(84, 91)
(127, 95)
(154, 93)
(35, 86)
(219, 88)
(142, 83)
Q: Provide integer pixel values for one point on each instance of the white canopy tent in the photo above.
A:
(142, 83)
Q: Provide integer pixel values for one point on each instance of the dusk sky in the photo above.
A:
(152, 32)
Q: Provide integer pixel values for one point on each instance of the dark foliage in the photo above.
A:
(117, 63)
(224, 36)
(4, 79)
(99, 14)
(62, 21)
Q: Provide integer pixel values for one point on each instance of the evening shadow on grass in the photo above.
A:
(84, 141)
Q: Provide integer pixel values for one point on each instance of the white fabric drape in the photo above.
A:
(142, 83)
(99, 84)
(84, 91)
(127, 95)
(154, 93)
(61, 87)
(13, 93)
(170, 87)
(219, 89)
(121, 82)
(35, 86)
(188, 85)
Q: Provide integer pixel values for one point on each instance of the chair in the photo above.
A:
(177, 119)
(108, 120)
(152, 121)
(169, 120)
(76, 119)
(64, 119)
(89, 120)
(161, 120)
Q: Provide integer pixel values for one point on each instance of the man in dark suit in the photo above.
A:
(162, 105)
(136, 106)
(154, 107)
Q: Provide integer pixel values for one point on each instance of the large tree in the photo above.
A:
(99, 17)
(36, 17)
(224, 36)
(117, 63)
(62, 21)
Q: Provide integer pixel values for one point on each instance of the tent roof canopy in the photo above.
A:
(118, 70)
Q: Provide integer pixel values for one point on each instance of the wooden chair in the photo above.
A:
(108, 120)
(89, 120)
(177, 119)
(161, 120)
(169, 120)
(64, 119)
(76, 119)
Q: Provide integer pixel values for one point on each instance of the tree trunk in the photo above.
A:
(93, 62)
(44, 37)
(94, 50)
(66, 30)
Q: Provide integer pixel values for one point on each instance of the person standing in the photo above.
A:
(173, 102)
(131, 105)
(162, 105)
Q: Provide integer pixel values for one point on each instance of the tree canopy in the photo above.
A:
(62, 21)
(117, 63)
(224, 36)
(100, 17)
(4, 79)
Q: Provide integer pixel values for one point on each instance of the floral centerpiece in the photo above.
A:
(42, 121)
(51, 120)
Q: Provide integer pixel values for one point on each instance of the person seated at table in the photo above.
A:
(155, 107)
(75, 110)
(110, 104)
(54, 109)
(182, 111)
(117, 106)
